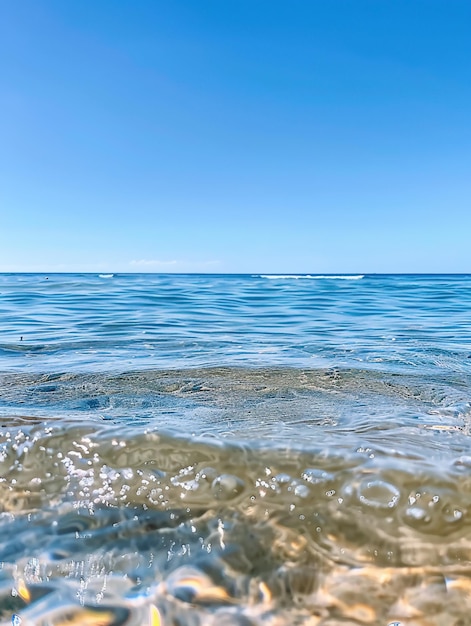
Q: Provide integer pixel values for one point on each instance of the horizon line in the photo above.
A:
(252, 273)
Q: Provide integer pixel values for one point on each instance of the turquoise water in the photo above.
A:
(206, 449)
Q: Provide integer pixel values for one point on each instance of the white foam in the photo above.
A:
(311, 277)
(105, 275)
(343, 277)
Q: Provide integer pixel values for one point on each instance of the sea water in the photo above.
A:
(235, 450)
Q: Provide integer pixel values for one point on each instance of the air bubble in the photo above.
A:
(226, 487)
(378, 494)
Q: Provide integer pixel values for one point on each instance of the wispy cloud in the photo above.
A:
(152, 263)
(173, 265)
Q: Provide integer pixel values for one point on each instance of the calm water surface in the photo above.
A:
(235, 450)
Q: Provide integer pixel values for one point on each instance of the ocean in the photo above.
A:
(235, 450)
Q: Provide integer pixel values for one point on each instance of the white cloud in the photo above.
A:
(136, 265)
(183, 266)
(153, 263)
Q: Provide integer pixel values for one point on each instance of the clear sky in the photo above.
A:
(235, 135)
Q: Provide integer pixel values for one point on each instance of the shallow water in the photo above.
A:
(235, 450)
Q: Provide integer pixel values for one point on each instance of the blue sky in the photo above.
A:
(235, 135)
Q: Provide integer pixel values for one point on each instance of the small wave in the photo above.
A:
(312, 277)
(105, 275)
